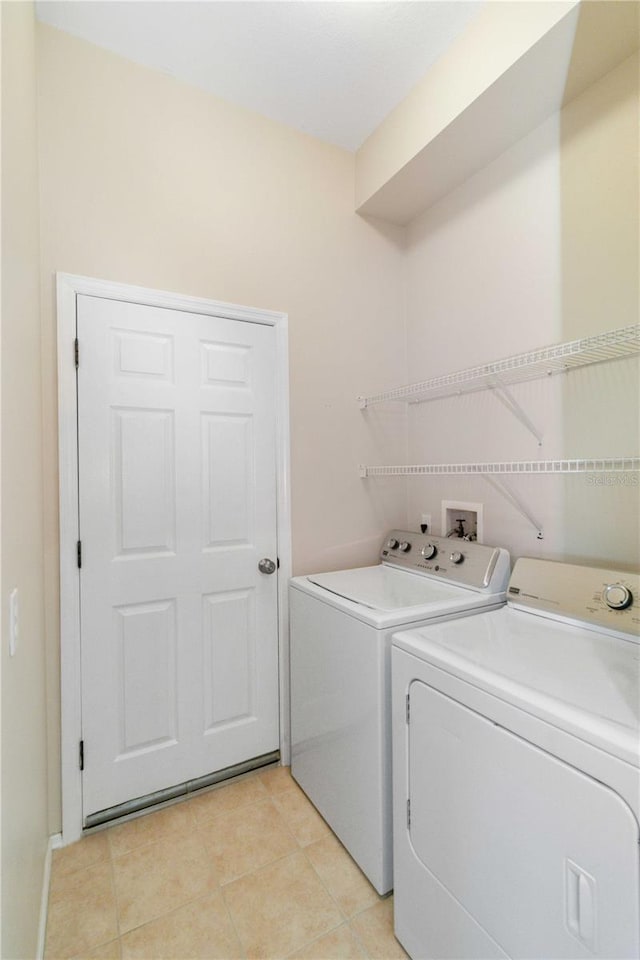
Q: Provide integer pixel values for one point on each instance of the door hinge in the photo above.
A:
(76, 352)
(81, 755)
(408, 814)
(408, 709)
(278, 563)
(79, 553)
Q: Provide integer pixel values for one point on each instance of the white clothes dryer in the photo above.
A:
(516, 739)
(341, 625)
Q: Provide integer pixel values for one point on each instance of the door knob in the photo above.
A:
(266, 566)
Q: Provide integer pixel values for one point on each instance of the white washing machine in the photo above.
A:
(516, 739)
(341, 628)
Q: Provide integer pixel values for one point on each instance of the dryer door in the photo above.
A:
(544, 858)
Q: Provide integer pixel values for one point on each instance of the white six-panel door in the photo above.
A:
(177, 505)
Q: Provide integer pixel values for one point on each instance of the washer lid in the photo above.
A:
(386, 597)
(580, 680)
(385, 588)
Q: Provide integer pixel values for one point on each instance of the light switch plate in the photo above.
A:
(13, 621)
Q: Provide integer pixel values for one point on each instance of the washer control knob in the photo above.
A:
(429, 551)
(617, 596)
(391, 544)
(456, 557)
(405, 546)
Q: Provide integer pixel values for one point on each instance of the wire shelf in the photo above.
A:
(533, 365)
(618, 465)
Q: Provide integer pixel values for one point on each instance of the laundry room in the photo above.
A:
(293, 291)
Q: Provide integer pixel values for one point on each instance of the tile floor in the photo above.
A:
(248, 869)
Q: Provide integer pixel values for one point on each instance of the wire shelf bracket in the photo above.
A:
(506, 397)
(515, 502)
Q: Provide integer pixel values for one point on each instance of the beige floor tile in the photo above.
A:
(246, 839)
(157, 878)
(340, 944)
(374, 927)
(174, 821)
(91, 849)
(108, 951)
(302, 818)
(226, 799)
(82, 911)
(201, 930)
(280, 908)
(341, 876)
(277, 778)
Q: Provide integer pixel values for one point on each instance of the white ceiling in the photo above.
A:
(331, 69)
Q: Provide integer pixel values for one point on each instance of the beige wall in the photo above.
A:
(483, 284)
(24, 784)
(538, 247)
(150, 181)
(600, 233)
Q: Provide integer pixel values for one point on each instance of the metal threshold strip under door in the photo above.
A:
(179, 790)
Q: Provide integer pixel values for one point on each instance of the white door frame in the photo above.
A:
(68, 289)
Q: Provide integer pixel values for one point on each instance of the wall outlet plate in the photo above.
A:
(469, 513)
(425, 522)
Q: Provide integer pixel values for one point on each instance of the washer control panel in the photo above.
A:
(594, 595)
(463, 562)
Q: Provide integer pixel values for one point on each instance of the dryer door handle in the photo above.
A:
(580, 903)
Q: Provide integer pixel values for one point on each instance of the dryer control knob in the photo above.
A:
(429, 551)
(617, 596)
(405, 546)
(391, 544)
(456, 557)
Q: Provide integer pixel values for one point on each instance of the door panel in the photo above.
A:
(145, 514)
(228, 479)
(229, 639)
(146, 633)
(176, 434)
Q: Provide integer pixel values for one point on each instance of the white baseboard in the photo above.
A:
(54, 842)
